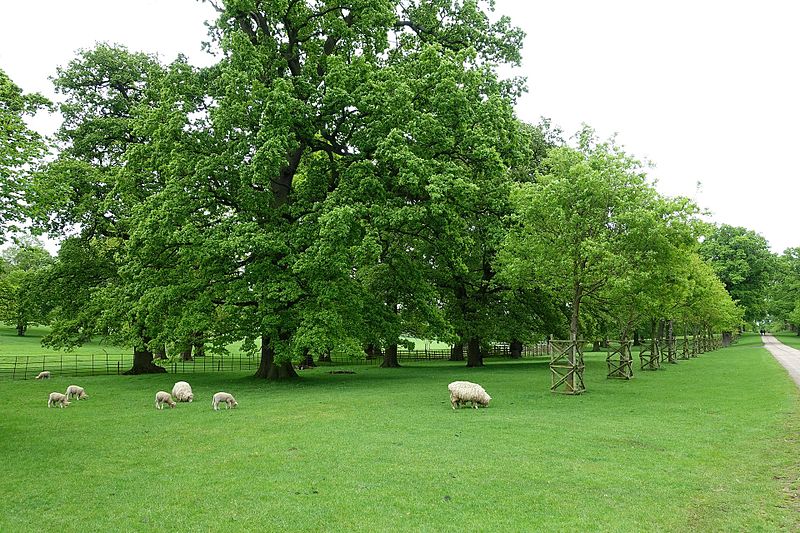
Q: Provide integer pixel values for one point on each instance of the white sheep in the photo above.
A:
(221, 397)
(78, 392)
(164, 398)
(462, 392)
(57, 398)
(182, 392)
(43, 375)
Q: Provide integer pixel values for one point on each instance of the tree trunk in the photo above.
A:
(199, 344)
(372, 351)
(654, 333)
(636, 340)
(186, 355)
(727, 338)
(595, 346)
(308, 359)
(143, 362)
(457, 352)
(474, 357)
(22, 327)
(270, 370)
(571, 383)
(515, 349)
(161, 352)
(326, 357)
(390, 357)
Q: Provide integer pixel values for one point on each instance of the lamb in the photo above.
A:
(462, 392)
(164, 398)
(43, 375)
(78, 392)
(223, 397)
(182, 392)
(57, 398)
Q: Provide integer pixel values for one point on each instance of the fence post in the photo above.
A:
(14, 372)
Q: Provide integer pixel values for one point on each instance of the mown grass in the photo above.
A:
(31, 343)
(789, 339)
(705, 445)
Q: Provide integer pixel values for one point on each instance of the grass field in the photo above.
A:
(708, 444)
(790, 339)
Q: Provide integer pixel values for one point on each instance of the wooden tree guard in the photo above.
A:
(566, 376)
(619, 360)
(670, 354)
(649, 356)
(696, 346)
(686, 350)
(717, 339)
(706, 342)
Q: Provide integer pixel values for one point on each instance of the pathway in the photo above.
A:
(787, 356)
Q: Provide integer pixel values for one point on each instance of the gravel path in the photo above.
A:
(787, 356)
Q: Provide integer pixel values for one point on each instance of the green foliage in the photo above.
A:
(594, 233)
(315, 181)
(20, 148)
(342, 177)
(21, 283)
(784, 291)
(743, 262)
(708, 303)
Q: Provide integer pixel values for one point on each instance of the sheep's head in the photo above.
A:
(191, 397)
(235, 403)
(82, 396)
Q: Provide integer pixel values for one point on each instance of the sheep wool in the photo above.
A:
(223, 397)
(462, 392)
(162, 398)
(182, 392)
(78, 392)
(43, 375)
(57, 398)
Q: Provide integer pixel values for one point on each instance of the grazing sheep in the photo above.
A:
(164, 398)
(78, 392)
(43, 375)
(182, 392)
(57, 398)
(462, 392)
(223, 397)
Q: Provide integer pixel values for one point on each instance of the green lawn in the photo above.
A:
(30, 344)
(708, 444)
(790, 339)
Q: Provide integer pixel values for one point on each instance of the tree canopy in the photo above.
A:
(20, 147)
(743, 262)
(343, 176)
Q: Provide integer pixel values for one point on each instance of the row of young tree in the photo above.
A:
(345, 175)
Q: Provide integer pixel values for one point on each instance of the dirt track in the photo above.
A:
(787, 356)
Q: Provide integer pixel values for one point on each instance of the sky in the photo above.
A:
(707, 90)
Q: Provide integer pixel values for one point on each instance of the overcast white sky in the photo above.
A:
(708, 90)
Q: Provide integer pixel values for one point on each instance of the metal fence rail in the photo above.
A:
(29, 366)
(66, 364)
